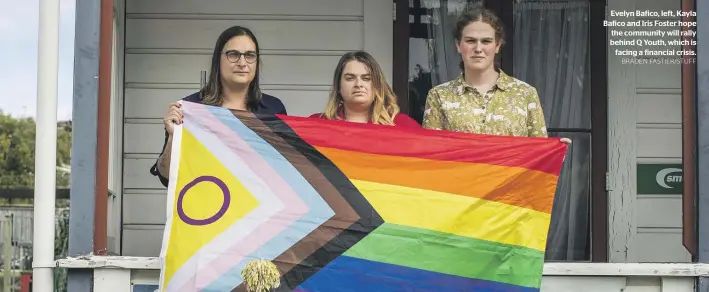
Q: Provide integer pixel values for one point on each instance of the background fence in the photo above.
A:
(16, 238)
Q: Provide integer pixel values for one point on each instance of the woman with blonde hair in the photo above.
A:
(361, 94)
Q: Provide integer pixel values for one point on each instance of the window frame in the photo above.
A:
(599, 102)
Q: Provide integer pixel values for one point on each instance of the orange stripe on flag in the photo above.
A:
(531, 153)
(515, 186)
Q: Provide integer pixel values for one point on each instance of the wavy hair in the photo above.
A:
(383, 108)
(211, 93)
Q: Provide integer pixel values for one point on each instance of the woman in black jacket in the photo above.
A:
(233, 83)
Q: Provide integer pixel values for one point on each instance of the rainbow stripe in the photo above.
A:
(355, 207)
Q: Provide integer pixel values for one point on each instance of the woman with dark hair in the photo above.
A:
(483, 99)
(360, 93)
(233, 83)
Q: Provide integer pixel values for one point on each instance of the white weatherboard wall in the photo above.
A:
(644, 127)
(659, 140)
(168, 43)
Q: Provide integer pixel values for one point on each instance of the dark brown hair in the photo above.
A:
(479, 14)
(212, 92)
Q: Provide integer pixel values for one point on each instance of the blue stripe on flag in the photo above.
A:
(348, 274)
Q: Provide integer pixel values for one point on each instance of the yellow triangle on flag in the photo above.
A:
(204, 177)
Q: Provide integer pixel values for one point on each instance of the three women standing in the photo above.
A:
(482, 100)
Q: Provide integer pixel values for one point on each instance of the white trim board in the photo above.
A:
(550, 269)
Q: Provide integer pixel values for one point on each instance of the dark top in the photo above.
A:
(269, 105)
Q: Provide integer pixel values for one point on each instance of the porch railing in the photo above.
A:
(141, 274)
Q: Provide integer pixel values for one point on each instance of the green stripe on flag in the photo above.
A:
(451, 254)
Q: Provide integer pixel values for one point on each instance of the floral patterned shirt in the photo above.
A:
(510, 108)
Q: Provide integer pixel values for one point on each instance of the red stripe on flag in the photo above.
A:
(542, 154)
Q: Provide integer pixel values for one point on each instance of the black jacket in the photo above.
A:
(269, 105)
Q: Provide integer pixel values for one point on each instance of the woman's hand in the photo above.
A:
(172, 117)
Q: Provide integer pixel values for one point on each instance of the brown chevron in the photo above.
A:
(337, 234)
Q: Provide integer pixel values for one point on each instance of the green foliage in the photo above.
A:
(17, 165)
(61, 246)
(17, 151)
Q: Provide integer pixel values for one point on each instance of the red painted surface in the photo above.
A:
(25, 282)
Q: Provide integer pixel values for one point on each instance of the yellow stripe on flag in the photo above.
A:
(456, 214)
(202, 201)
(516, 186)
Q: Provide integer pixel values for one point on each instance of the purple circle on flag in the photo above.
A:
(215, 217)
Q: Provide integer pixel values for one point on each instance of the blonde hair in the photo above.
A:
(383, 108)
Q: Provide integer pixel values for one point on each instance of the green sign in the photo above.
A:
(660, 179)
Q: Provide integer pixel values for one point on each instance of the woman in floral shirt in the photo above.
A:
(483, 100)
